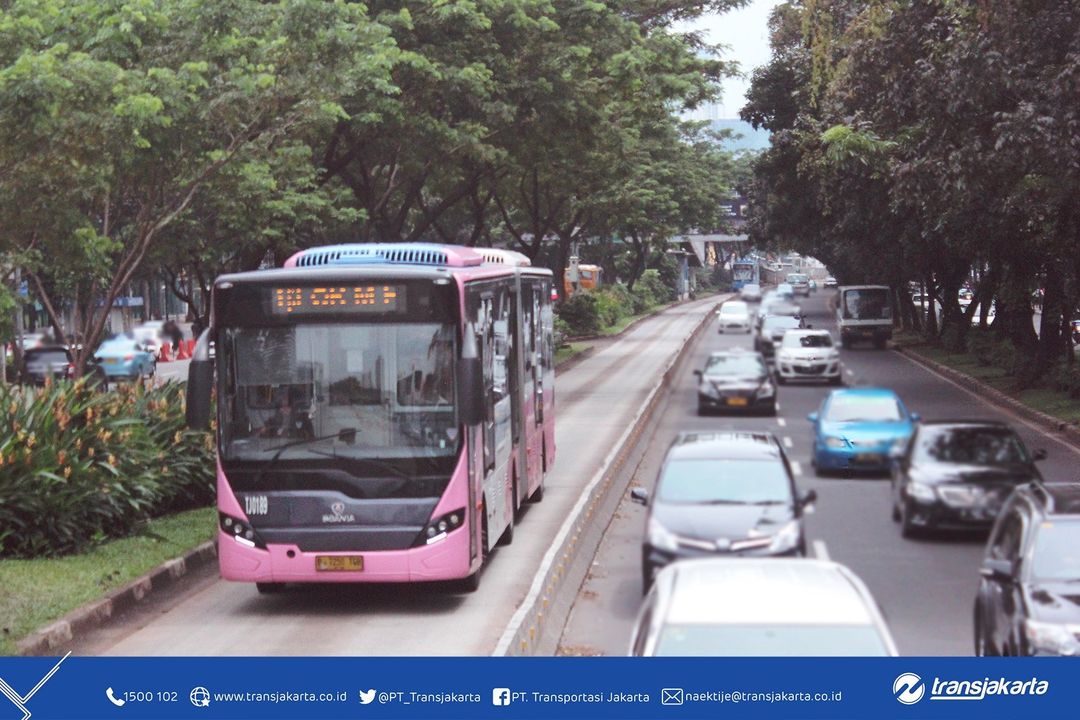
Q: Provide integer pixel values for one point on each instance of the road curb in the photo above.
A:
(643, 318)
(570, 362)
(1068, 433)
(537, 623)
(94, 615)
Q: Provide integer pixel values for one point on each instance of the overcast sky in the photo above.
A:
(746, 33)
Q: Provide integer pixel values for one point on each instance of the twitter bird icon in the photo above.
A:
(367, 697)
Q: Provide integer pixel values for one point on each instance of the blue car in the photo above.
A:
(125, 358)
(859, 429)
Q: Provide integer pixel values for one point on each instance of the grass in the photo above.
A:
(568, 351)
(34, 593)
(625, 322)
(1039, 397)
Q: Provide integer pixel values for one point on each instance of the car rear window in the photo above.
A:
(735, 365)
(48, 356)
(807, 341)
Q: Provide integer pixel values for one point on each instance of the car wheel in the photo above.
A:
(907, 528)
(895, 510)
(982, 644)
(880, 343)
(702, 411)
(838, 380)
(646, 578)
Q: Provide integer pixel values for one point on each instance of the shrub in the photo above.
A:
(581, 314)
(1067, 380)
(651, 290)
(613, 302)
(79, 466)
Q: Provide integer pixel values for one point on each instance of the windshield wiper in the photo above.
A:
(393, 469)
(768, 502)
(345, 435)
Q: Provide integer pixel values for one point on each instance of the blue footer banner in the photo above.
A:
(519, 688)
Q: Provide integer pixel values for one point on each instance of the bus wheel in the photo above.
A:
(268, 588)
(538, 493)
(507, 538)
(471, 583)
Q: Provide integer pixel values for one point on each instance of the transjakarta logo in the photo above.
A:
(909, 688)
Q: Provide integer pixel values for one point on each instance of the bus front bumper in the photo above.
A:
(280, 563)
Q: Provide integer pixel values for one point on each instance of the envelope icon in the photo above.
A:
(671, 696)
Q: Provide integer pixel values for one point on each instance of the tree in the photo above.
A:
(113, 116)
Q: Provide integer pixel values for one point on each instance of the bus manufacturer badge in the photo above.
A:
(338, 516)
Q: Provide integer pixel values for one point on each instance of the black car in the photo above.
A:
(1029, 595)
(772, 332)
(957, 474)
(56, 362)
(722, 494)
(735, 380)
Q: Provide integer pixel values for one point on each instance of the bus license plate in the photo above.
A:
(737, 402)
(339, 563)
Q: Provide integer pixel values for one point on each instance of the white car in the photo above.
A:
(808, 355)
(751, 292)
(734, 317)
(764, 607)
(800, 283)
(149, 336)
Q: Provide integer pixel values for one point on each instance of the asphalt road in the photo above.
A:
(925, 587)
(595, 401)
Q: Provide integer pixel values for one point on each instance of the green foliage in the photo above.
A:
(581, 314)
(78, 466)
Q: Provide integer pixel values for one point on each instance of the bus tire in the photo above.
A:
(471, 583)
(269, 588)
(538, 493)
(507, 538)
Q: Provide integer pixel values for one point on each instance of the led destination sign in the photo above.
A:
(334, 299)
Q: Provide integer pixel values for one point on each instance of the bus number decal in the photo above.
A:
(256, 504)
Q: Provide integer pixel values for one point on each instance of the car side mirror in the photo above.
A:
(812, 417)
(639, 495)
(997, 569)
(697, 373)
(809, 326)
(808, 498)
(1038, 455)
(916, 417)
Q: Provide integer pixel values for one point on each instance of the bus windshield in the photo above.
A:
(366, 390)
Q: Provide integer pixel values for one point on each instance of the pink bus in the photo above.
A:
(383, 411)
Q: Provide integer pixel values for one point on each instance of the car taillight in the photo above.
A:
(129, 357)
(70, 369)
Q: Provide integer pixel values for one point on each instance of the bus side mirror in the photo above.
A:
(470, 391)
(200, 383)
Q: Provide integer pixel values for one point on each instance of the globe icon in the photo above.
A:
(200, 697)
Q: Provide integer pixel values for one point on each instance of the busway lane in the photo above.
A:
(594, 402)
(926, 587)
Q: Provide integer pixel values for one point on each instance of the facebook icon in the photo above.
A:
(500, 696)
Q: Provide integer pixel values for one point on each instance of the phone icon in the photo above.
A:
(113, 699)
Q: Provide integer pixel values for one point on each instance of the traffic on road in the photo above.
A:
(900, 481)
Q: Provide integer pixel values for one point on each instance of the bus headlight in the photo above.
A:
(240, 531)
(438, 528)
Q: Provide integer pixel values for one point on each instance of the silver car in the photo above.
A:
(764, 607)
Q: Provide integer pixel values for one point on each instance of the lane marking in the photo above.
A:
(788, 443)
(821, 552)
(1042, 431)
(781, 422)
(796, 467)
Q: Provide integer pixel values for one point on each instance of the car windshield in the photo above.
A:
(737, 481)
(119, 345)
(778, 322)
(974, 446)
(859, 408)
(700, 640)
(743, 365)
(1056, 555)
(794, 340)
(391, 383)
(733, 308)
(752, 287)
